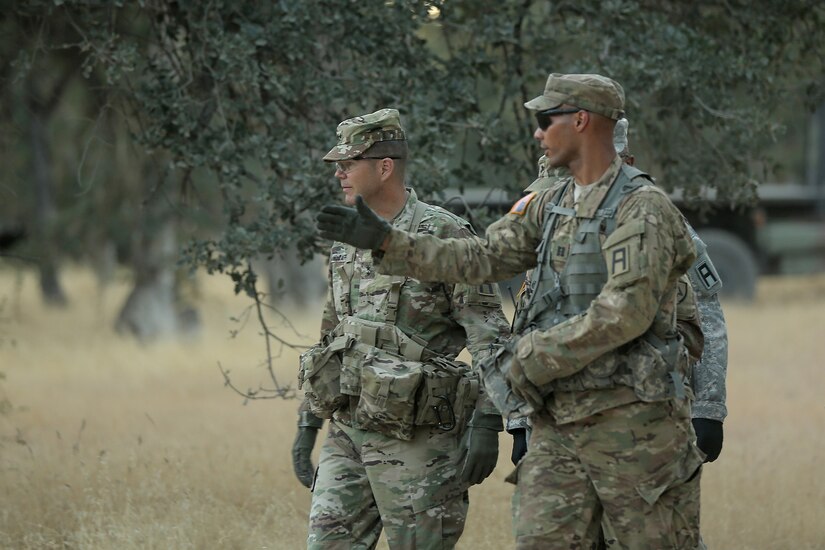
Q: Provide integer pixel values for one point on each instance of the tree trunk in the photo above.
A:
(44, 212)
(149, 311)
(290, 282)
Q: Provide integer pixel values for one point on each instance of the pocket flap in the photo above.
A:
(628, 230)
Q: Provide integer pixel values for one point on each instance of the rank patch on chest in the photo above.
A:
(561, 251)
(521, 206)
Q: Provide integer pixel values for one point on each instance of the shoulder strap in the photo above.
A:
(628, 180)
(551, 212)
(397, 281)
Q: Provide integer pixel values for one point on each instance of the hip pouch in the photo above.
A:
(320, 376)
(397, 395)
(389, 387)
(448, 394)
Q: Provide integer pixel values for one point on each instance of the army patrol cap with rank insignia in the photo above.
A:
(591, 92)
(376, 135)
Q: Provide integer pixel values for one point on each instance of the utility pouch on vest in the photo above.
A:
(320, 376)
(389, 388)
(448, 394)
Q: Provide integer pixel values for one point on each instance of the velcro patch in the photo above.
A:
(707, 275)
(521, 206)
(619, 260)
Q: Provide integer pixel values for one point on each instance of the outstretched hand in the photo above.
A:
(359, 226)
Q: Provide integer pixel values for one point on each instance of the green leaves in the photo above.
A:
(242, 98)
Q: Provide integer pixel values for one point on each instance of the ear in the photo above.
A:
(387, 168)
(581, 120)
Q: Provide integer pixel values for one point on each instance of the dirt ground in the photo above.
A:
(107, 444)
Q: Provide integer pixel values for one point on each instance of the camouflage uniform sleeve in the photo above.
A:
(709, 374)
(646, 254)
(507, 249)
(478, 310)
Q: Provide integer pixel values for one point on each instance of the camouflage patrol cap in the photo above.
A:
(376, 135)
(591, 92)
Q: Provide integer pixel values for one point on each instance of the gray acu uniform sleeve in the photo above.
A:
(708, 375)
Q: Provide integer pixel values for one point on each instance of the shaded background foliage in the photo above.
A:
(203, 123)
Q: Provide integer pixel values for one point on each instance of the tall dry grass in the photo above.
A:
(105, 444)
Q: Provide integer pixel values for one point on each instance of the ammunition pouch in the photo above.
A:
(397, 395)
(320, 376)
(448, 395)
(399, 384)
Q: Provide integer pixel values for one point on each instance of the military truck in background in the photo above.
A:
(783, 234)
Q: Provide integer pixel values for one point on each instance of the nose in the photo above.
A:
(340, 174)
(538, 134)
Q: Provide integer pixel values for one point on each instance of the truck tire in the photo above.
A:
(734, 261)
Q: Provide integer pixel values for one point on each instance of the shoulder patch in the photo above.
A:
(521, 206)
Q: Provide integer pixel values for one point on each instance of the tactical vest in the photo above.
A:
(378, 377)
(650, 364)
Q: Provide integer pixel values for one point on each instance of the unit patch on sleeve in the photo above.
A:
(707, 275)
(521, 206)
(619, 260)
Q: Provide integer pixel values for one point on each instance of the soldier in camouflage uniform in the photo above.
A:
(386, 375)
(596, 355)
(709, 370)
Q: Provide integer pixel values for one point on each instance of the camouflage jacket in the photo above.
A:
(624, 309)
(700, 300)
(448, 317)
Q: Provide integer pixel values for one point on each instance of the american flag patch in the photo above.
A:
(521, 206)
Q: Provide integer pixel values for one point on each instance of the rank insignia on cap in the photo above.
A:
(521, 206)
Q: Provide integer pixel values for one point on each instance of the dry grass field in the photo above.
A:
(105, 444)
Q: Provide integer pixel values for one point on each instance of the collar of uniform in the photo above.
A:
(406, 213)
(589, 204)
(548, 180)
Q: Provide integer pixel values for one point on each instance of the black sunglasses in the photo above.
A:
(543, 117)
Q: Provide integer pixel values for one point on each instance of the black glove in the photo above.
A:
(482, 448)
(359, 226)
(709, 436)
(519, 445)
(301, 451)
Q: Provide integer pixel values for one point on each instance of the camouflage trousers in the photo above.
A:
(367, 481)
(635, 467)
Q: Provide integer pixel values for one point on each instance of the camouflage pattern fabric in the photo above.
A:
(612, 420)
(592, 92)
(707, 375)
(367, 481)
(624, 466)
(365, 478)
(625, 308)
